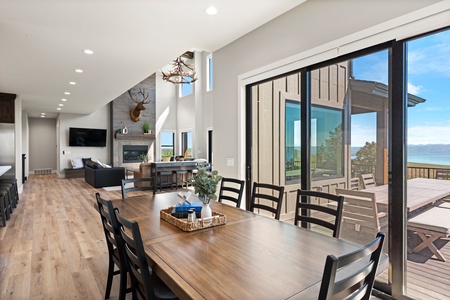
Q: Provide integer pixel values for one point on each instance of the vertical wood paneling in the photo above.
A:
(333, 83)
(293, 84)
(279, 86)
(324, 84)
(342, 82)
(265, 124)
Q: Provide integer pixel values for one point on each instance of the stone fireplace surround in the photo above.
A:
(120, 118)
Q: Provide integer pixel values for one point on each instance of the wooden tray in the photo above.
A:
(216, 220)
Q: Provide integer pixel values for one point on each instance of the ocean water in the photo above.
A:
(436, 159)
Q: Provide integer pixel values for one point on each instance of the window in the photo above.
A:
(292, 142)
(186, 89)
(327, 158)
(167, 144)
(186, 144)
(209, 73)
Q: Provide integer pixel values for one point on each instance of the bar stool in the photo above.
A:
(11, 185)
(183, 175)
(13, 181)
(169, 179)
(5, 210)
(9, 188)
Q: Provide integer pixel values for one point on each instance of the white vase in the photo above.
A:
(206, 211)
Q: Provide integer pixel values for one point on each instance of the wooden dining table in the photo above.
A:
(250, 257)
(420, 193)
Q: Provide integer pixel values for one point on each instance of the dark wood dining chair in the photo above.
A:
(143, 184)
(231, 189)
(327, 214)
(116, 251)
(145, 283)
(357, 271)
(267, 197)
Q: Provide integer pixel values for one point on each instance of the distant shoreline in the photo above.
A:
(424, 165)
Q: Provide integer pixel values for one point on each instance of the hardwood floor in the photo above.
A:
(53, 247)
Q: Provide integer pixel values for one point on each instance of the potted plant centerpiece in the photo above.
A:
(205, 186)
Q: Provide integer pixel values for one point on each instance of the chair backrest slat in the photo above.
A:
(146, 185)
(267, 197)
(231, 190)
(357, 271)
(327, 214)
(368, 180)
(136, 258)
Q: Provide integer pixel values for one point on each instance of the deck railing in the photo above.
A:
(413, 172)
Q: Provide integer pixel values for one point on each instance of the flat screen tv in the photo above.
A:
(87, 137)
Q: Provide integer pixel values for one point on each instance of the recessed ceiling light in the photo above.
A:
(72, 82)
(42, 116)
(211, 11)
(59, 108)
(87, 51)
(67, 93)
(61, 104)
(63, 99)
(78, 70)
(42, 113)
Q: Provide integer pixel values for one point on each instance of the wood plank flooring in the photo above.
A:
(53, 247)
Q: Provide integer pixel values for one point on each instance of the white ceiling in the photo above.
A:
(42, 43)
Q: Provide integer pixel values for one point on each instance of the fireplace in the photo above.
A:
(132, 153)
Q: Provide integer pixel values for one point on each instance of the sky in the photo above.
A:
(428, 72)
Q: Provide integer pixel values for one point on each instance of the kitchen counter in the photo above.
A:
(4, 169)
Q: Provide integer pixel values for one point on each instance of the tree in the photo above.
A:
(365, 160)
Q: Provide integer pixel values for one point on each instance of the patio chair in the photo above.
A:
(368, 180)
(361, 220)
(352, 275)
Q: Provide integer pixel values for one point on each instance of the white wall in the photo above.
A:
(25, 146)
(99, 119)
(307, 34)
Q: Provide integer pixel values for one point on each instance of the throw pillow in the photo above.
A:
(85, 159)
(77, 163)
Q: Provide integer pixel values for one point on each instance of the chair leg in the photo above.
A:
(123, 284)
(110, 278)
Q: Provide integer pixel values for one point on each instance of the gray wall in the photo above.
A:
(42, 143)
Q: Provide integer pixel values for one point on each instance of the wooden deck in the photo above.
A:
(53, 247)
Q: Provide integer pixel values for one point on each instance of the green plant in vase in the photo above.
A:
(205, 185)
(146, 127)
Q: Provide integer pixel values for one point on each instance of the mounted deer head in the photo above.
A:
(135, 113)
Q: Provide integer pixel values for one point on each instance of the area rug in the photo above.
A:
(117, 187)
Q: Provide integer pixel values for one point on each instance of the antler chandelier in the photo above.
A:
(181, 73)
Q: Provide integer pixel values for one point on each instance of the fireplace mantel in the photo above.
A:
(135, 136)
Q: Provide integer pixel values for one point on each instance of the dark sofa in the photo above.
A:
(98, 176)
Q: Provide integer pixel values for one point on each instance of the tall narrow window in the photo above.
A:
(186, 89)
(292, 142)
(186, 144)
(209, 73)
(167, 144)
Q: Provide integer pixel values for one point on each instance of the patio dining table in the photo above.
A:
(420, 193)
(250, 257)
